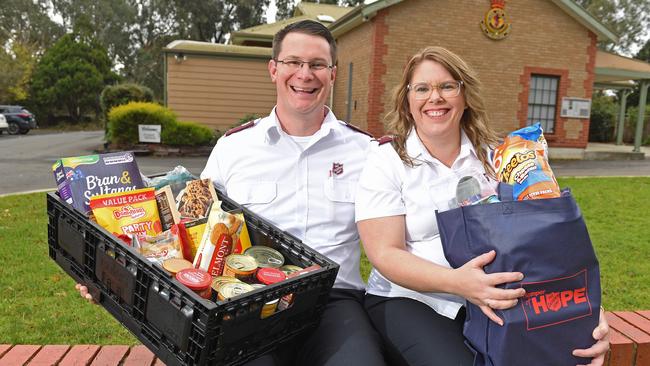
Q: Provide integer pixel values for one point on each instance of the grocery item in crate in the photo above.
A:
(175, 265)
(81, 177)
(196, 280)
(175, 179)
(287, 300)
(127, 213)
(240, 266)
(196, 198)
(191, 231)
(159, 248)
(265, 256)
(521, 160)
(221, 232)
(243, 241)
(167, 210)
(231, 289)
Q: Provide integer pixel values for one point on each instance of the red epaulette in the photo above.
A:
(357, 129)
(385, 139)
(246, 125)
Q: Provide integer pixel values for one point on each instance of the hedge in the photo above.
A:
(186, 133)
(123, 120)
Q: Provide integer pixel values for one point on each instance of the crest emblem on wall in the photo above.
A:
(496, 24)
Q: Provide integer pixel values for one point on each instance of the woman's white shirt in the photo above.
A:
(388, 187)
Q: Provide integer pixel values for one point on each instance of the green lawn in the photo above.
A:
(38, 303)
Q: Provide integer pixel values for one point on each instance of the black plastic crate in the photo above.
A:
(177, 325)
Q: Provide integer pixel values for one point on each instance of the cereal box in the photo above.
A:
(81, 177)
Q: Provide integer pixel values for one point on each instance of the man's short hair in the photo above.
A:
(310, 27)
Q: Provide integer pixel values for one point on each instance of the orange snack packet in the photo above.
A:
(128, 213)
(523, 164)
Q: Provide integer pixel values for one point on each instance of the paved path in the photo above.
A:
(26, 160)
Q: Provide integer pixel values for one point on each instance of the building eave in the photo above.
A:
(587, 20)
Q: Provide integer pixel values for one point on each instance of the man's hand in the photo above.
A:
(83, 291)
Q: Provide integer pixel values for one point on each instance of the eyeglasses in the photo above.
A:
(448, 89)
(295, 65)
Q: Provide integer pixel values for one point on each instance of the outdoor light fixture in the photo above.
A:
(180, 57)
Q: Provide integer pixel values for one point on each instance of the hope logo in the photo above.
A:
(556, 301)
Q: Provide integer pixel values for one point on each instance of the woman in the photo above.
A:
(440, 133)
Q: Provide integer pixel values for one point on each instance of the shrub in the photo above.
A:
(123, 120)
(603, 118)
(186, 133)
(114, 95)
(630, 126)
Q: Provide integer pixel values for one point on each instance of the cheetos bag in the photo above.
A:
(546, 240)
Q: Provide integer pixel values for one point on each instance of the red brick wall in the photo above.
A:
(543, 36)
(354, 47)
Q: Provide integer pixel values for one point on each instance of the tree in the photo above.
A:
(71, 75)
(629, 19)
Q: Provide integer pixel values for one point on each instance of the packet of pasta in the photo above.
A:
(521, 160)
(127, 213)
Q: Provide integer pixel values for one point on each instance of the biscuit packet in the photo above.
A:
(521, 160)
(221, 233)
(195, 200)
(127, 213)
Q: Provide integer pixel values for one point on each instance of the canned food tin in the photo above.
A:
(240, 266)
(196, 280)
(175, 265)
(217, 282)
(269, 308)
(288, 269)
(287, 300)
(257, 285)
(265, 256)
(232, 289)
(269, 276)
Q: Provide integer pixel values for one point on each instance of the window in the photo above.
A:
(542, 101)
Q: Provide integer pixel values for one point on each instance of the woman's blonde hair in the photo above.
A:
(474, 120)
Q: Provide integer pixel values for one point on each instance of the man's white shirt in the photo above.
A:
(305, 188)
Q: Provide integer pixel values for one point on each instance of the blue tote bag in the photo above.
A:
(546, 240)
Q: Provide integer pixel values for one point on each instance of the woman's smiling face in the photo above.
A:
(435, 117)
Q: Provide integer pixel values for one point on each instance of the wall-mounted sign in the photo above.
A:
(149, 133)
(575, 107)
(496, 24)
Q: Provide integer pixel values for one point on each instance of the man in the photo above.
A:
(298, 168)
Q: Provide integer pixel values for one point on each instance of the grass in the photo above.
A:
(38, 303)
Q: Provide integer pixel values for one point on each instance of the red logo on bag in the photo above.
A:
(556, 301)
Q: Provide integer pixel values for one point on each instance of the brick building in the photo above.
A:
(547, 57)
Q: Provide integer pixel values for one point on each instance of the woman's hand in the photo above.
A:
(83, 291)
(598, 351)
(480, 288)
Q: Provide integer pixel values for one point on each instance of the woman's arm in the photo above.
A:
(384, 243)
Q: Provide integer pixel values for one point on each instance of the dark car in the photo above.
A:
(20, 120)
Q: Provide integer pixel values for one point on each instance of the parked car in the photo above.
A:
(3, 124)
(19, 119)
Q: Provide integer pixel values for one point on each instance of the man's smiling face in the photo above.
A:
(302, 91)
